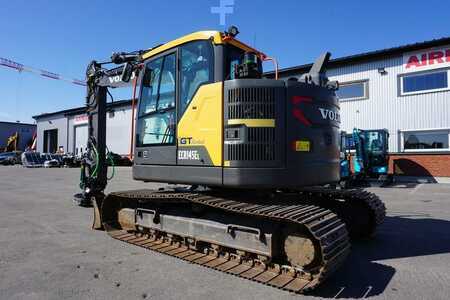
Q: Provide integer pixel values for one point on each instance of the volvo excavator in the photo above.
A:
(250, 159)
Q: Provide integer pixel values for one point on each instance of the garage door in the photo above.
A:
(81, 136)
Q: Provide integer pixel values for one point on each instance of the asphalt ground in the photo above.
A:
(48, 251)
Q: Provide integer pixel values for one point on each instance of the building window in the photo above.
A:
(424, 82)
(353, 90)
(426, 140)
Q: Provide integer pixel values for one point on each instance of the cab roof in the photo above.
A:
(216, 37)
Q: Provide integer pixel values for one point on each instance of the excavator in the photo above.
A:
(370, 159)
(249, 160)
(11, 143)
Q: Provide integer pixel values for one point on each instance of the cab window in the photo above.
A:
(156, 116)
(196, 68)
(233, 57)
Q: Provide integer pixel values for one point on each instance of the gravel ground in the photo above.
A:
(48, 251)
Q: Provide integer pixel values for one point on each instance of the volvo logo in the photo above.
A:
(117, 79)
(328, 114)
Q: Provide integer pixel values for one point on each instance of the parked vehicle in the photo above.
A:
(364, 156)
(10, 158)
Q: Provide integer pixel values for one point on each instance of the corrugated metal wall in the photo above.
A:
(118, 130)
(8, 129)
(385, 108)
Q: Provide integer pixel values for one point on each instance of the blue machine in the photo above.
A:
(369, 152)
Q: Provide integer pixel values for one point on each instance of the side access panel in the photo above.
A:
(313, 134)
(199, 132)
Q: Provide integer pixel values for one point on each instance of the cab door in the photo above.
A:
(156, 117)
(200, 109)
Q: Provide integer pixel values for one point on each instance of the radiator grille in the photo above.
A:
(251, 152)
(259, 146)
(251, 103)
(261, 134)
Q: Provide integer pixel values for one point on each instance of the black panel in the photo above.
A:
(321, 128)
(164, 155)
(218, 63)
(310, 174)
(178, 174)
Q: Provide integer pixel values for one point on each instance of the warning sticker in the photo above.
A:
(302, 146)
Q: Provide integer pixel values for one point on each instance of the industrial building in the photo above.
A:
(404, 89)
(24, 132)
(68, 129)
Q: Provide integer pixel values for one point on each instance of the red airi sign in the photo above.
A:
(427, 59)
(81, 119)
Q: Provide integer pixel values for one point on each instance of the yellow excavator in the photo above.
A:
(11, 143)
(253, 159)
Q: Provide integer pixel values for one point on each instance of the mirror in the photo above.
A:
(127, 72)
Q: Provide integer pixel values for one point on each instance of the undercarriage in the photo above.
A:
(289, 240)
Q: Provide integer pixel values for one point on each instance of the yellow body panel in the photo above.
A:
(202, 121)
(215, 36)
(253, 122)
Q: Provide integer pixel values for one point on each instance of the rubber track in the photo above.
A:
(374, 205)
(323, 224)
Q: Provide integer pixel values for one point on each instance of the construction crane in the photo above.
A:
(253, 156)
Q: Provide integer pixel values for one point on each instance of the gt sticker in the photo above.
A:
(190, 141)
(188, 155)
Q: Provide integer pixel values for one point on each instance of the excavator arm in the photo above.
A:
(94, 167)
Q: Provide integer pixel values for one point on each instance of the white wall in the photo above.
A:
(52, 122)
(385, 108)
(118, 130)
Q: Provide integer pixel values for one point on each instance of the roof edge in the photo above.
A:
(371, 55)
(81, 109)
(17, 123)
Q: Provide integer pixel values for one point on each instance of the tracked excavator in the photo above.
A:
(250, 158)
